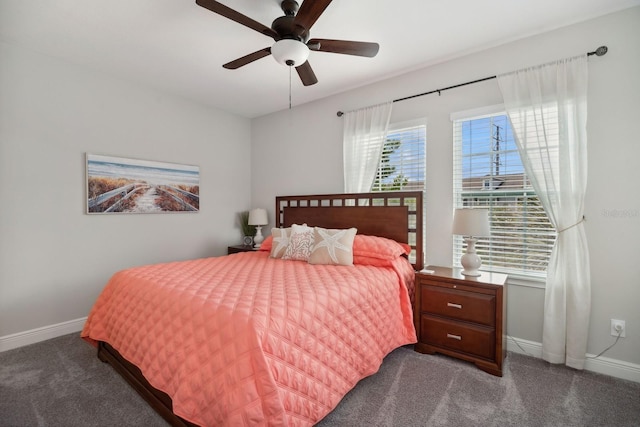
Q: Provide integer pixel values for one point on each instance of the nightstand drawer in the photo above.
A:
(460, 336)
(461, 305)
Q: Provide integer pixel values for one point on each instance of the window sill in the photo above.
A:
(516, 279)
(529, 282)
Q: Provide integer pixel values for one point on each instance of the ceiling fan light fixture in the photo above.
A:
(290, 52)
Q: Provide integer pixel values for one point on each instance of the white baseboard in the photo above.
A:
(613, 367)
(9, 342)
(602, 365)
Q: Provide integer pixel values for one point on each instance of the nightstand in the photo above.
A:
(239, 248)
(462, 316)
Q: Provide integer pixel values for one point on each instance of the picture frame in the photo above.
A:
(124, 185)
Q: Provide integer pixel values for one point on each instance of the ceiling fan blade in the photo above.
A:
(309, 12)
(227, 12)
(248, 59)
(306, 74)
(345, 47)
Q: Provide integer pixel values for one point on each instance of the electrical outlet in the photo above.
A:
(618, 327)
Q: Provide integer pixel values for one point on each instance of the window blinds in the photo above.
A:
(402, 165)
(488, 173)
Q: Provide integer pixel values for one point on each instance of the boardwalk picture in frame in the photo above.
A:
(121, 185)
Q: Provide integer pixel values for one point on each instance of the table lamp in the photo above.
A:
(471, 223)
(258, 218)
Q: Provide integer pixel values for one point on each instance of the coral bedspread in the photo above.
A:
(246, 339)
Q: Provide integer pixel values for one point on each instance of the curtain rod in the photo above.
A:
(598, 52)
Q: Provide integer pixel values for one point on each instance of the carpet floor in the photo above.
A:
(61, 382)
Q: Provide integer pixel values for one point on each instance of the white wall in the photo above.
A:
(300, 152)
(54, 258)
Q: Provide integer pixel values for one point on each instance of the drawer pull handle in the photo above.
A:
(455, 337)
(450, 304)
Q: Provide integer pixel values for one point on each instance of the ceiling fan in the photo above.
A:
(291, 35)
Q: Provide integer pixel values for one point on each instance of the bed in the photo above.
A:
(249, 339)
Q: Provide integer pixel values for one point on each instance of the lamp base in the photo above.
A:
(470, 261)
(471, 273)
(259, 238)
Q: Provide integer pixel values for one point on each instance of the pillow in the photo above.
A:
(266, 245)
(378, 247)
(376, 262)
(280, 241)
(332, 247)
(300, 243)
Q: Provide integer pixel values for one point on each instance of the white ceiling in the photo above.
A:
(179, 47)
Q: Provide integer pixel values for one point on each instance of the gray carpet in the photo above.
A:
(62, 383)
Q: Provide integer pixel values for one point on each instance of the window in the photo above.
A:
(402, 164)
(488, 173)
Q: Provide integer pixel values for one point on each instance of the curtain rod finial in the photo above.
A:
(599, 51)
(340, 114)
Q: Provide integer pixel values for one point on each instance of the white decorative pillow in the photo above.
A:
(280, 241)
(333, 247)
(300, 243)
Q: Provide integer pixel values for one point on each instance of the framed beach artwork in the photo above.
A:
(122, 185)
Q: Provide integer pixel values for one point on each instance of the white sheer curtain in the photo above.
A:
(365, 131)
(547, 106)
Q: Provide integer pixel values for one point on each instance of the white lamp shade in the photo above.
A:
(471, 222)
(258, 217)
(290, 50)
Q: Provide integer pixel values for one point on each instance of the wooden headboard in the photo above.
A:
(395, 215)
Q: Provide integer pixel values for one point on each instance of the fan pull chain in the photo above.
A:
(290, 67)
